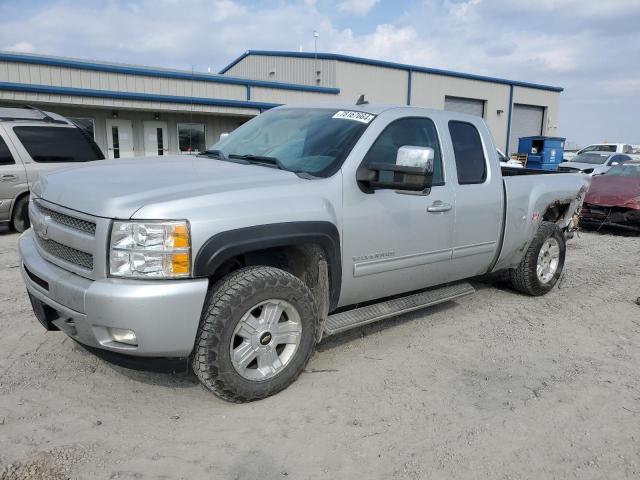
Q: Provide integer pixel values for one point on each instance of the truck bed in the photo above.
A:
(527, 195)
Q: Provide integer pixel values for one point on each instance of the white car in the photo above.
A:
(602, 148)
(593, 163)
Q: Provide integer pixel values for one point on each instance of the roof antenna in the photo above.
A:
(361, 100)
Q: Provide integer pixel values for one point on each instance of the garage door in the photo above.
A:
(464, 105)
(526, 121)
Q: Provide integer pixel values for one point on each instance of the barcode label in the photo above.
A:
(356, 116)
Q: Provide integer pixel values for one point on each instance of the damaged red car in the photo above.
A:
(614, 198)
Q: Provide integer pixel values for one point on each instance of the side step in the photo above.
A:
(339, 322)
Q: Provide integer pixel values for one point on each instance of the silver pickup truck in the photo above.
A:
(306, 221)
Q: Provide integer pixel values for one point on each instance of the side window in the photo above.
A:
(467, 148)
(5, 155)
(58, 144)
(417, 132)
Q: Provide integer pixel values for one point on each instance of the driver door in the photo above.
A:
(397, 241)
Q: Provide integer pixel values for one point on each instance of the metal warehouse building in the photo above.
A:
(135, 110)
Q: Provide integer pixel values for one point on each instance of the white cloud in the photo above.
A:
(357, 7)
(578, 44)
(460, 9)
(22, 47)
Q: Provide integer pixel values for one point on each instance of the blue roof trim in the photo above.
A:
(152, 72)
(383, 63)
(146, 97)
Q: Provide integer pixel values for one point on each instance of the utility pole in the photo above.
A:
(315, 62)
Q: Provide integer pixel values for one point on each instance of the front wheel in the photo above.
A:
(256, 334)
(541, 267)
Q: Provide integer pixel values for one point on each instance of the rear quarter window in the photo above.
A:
(469, 153)
(58, 144)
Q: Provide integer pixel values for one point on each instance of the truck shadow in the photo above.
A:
(167, 372)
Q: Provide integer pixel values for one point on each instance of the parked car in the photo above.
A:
(304, 222)
(33, 142)
(593, 163)
(600, 147)
(614, 198)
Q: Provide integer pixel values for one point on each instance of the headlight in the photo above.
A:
(150, 250)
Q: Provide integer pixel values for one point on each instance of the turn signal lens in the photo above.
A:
(180, 236)
(180, 263)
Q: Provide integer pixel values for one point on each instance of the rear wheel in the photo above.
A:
(20, 216)
(256, 334)
(542, 265)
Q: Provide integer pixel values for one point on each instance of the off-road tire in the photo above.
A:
(524, 277)
(227, 301)
(20, 217)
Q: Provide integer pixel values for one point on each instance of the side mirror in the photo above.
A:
(412, 171)
(613, 164)
(224, 135)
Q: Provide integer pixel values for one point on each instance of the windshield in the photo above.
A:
(312, 141)
(592, 158)
(599, 148)
(631, 170)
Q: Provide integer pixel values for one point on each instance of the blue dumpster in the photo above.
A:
(543, 153)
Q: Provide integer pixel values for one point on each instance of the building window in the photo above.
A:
(191, 137)
(86, 124)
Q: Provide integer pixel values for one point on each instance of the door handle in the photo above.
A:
(9, 178)
(439, 206)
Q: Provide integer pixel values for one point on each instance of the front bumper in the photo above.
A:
(164, 314)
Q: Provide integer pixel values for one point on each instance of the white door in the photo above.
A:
(155, 139)
(526, 121)
(464, 105)
(119, 138)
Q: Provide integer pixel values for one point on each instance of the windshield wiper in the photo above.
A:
(214, 154)
(260, 159)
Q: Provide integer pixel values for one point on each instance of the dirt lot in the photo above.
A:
(496, 386)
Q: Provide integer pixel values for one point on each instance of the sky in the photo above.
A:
(589, 47)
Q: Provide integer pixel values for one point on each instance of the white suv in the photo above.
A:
(33, 141)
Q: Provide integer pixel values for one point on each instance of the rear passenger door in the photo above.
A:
(479, 199)
(13, 178)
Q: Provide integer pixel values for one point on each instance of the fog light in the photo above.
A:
(122, 335)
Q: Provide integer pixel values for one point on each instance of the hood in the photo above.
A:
(614, 191)
(117, 188)
(597, 168)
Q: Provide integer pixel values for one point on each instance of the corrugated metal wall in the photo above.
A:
(286, 69)
(77, 78)
(429, 90)
(378, 84)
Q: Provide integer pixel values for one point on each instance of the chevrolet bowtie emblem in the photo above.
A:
(42, 227)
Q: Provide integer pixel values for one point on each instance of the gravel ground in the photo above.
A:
(495, 386)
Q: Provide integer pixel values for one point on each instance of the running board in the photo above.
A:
(339, 322)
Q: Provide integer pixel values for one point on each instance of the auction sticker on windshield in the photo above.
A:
(357, 116)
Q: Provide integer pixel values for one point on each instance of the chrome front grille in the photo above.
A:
(68, 254)
(69, 239)
(67, 220)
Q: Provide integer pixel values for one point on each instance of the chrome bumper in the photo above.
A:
(164, 314)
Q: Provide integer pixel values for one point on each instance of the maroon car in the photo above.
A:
(614, 198)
